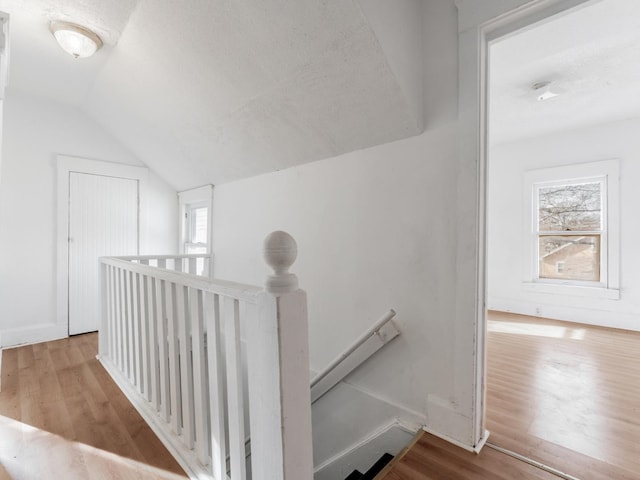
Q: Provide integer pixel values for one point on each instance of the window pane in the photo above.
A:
(195, 249)
(570, 257)
(199, 225)
(570, 207)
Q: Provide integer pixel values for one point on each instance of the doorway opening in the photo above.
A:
(563, 332)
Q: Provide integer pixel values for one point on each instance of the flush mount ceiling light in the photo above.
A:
(75, 40)
(543, 90)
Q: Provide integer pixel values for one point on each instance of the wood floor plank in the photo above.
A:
(4, 475)
(10, 406)
(564, 394)
(61, 413)
(434, 459)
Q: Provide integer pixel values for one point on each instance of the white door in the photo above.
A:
(103, 221)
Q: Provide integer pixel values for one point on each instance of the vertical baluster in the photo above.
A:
(125, 321)
(120, 318)
(154, 317)
(114, 314)
(129, 325)
(110, 313)
(161, 294)
(103, 335)
(174, 373)
(216, 386)
(235, 399)
(193, 266)
(177, 264)
(199, 374)
(137, 327)
(186, 373)
(144, 336)
(133, 320)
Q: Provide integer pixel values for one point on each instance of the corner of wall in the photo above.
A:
(445, 422)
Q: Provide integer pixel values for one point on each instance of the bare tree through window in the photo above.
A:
(569, 231)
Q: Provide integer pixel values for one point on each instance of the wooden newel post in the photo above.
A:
(280, 399)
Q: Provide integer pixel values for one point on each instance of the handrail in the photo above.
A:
(247, 293)
(354, 346)
(163, 257)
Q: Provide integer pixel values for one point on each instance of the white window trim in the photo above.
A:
(608, 171)
(201, 196)
(602, 233)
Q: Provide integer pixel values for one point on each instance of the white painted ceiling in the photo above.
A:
(592, 57)
(209, 91)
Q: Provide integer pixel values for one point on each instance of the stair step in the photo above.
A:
(373, 471)
(377, 467)
(355, 475)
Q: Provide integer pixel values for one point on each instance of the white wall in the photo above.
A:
(375, 230)
(35, 131)
(373, 233)
(506, 247)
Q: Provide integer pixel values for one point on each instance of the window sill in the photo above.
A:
(573, 290)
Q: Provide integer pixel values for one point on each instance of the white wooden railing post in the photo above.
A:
(280, 402)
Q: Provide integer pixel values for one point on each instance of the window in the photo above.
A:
(572, 229)
(195, 222)
(197, 228)
(570, 233)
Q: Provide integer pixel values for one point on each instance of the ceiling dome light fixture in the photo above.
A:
(75, 40)
(543, 90)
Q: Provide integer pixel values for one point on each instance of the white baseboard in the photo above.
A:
(483, 441)
(444, 420)
(33, 334)
(389, 438)
(586, 315)
(474, 449)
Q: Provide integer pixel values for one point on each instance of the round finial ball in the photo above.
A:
(280, 251)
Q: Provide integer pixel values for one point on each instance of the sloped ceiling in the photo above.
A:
(212, 91)
(591, 56)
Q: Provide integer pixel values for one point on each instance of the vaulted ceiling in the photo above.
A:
(209, 91)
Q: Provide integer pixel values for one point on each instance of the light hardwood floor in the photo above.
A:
(61, 416)
(434, 459)
(566, 395)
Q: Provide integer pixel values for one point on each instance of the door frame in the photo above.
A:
(65, 166)
(478, 26)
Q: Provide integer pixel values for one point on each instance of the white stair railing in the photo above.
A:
(194, 263)
(172, 342)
